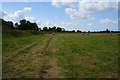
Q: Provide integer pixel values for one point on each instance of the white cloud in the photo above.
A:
(84, 7)
(31, 19)
(15, 17)
(93, 7)
(89, 24)
(70, 25)
(27, 9)
(74, 14)
(2, 14)
(38, 22)
(70, 10)
(47, 24)
(61, 3)
(18, 15)
(81, 16)
(100, 0)
(108, 21)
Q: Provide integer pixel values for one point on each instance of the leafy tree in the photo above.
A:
(88, 31)
(59, 29)
(45, 29)
(16, 25)
(53, 28)
(73, 31)
(27, 25)
(50, 29)
(8, 24)
(78, 31)
(107, 30)
(63, 30)
(39, 29)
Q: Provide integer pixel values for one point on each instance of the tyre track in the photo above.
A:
(54, 70)
(14, 60)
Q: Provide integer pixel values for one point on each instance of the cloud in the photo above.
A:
(15, 17)
(84, 7)
(70, 10)
(2, 14)
(70, 25)
(27, 9)
(89, 24)
(38, 22)
(31, 19)
(47, 24)
(81, 16)
(74, 14)
(93, 7)
(18, 15)
(108, 21)
(100, 0)
(61, 3)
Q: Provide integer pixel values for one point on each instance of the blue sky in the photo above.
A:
(71, 16)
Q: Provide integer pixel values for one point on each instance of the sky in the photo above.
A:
(84, 16)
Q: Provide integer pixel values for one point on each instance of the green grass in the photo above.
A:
(78, 56)
(91, 56)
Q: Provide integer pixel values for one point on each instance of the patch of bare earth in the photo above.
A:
(54, 70)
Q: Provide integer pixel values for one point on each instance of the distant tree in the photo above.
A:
(53, 28)
(39, 29)
(45, 29)
(23, 21)
(27, 25)
(107, 30)
(50, 29)
(8, 24)
(78, 31)
(16, 25)
(59, 29)
(73, 31)
(88, 31)
(23, 25)
(63, 30)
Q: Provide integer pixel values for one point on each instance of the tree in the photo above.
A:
(27, 25)
(8, 24)
(53, 27)
(88, 31)
(16, 25)
(78, 31)
(39, 29)
(59, 29)
(50, 29)
(107, 30)
(63, 30)
(73, 31)
(45, 29)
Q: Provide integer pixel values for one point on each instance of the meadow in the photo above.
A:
(60, 56)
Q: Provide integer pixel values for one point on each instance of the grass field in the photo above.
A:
(60, 56)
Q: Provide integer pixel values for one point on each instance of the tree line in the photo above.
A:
(27, 25)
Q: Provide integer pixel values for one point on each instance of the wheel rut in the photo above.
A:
(53, 70)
